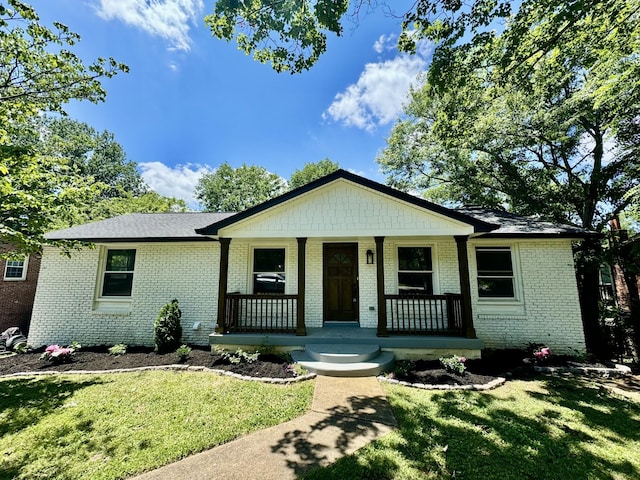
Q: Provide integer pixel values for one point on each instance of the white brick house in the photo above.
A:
(342, 250)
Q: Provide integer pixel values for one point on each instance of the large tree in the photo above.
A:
(291, 35)
(38, 73)
(553, 140)
(233, 190)
(311, 172)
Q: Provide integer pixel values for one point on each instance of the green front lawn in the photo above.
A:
(549, 428)
(113, 426)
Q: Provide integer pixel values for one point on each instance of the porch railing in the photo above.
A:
(263, 313)
(420, 314)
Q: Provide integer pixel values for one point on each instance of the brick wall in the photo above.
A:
(65, 310)
(16, 296)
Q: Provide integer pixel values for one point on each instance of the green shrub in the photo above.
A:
(118, 349)
(454, 364)
(167, 329)
(240, 356)
(183, 352)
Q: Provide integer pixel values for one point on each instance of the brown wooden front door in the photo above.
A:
(340, 282)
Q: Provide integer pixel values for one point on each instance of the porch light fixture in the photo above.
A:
(369, 257)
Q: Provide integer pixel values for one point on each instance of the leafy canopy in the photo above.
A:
(311, 172)
(292, 34)
(38, 73)
(233, 190)
(553, 141)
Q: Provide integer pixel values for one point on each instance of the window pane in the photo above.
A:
(414, 258)
(494, 262)
(268, 260)
(14, 269)
(120, 260)
(495, 287)
(117, 284)
(415, 283)
(268, 283)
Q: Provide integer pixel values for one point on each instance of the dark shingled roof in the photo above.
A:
(512, 225)
(142, 227)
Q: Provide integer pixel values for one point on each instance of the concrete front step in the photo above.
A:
(344, 360)
(335, 353)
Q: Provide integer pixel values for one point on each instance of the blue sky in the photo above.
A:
(192, 102)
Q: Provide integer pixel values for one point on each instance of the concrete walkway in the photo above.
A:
(347, 413)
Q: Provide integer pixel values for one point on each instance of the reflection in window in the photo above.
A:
(118, 273)
(268, 270)
(415, 270)
(495, 272)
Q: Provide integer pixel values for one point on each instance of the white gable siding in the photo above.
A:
(342, 209)
(64, 309)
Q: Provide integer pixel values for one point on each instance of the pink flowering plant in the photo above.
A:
(541, 354)
(57, 354)
(454, 364)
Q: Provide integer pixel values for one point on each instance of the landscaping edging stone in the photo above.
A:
(487, 386)
(617, 372)
(175, 367)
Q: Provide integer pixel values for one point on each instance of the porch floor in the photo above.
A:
(348, 335)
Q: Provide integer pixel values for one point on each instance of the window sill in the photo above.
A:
(112, 305)
(500, 306)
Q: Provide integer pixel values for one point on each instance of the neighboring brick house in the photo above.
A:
(17, 290)
(340, 251)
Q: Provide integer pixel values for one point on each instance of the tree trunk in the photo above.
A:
(588, 258)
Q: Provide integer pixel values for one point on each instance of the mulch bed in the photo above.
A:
(431, 373)
(98, 359)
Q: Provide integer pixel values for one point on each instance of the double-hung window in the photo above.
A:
(118, 273)
(495, 272)
(415, 270)
(16, 269)
(269, 270)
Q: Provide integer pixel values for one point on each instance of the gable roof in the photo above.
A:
(142, 227)
(478, 224)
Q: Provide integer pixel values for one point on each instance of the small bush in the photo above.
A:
(118, 349)
(454, 364)
(167, 328)
(295, 369)
(183, 352)
(240, 356)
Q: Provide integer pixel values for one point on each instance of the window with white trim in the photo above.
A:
(117, 280)
(415, 270)
(496, 278)
(16, 269)
(269, 272)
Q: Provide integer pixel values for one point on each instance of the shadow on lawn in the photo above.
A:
(359, 419)
(474, 435)
(25, 402)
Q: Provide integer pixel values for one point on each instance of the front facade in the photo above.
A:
(340, 251)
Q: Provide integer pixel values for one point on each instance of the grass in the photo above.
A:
(549, 428)
(112, 426)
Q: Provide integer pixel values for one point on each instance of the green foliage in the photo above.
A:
(454, 364)
(39, 73)
(167, 328)
(233, 190)
(536, 144)
(183, 352)
(240, 356)
(290, 35)
(311, 172)
(118, 349)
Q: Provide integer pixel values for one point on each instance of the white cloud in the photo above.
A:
(179, 181)
(385, 42)
(378, 96)
(168, 19)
